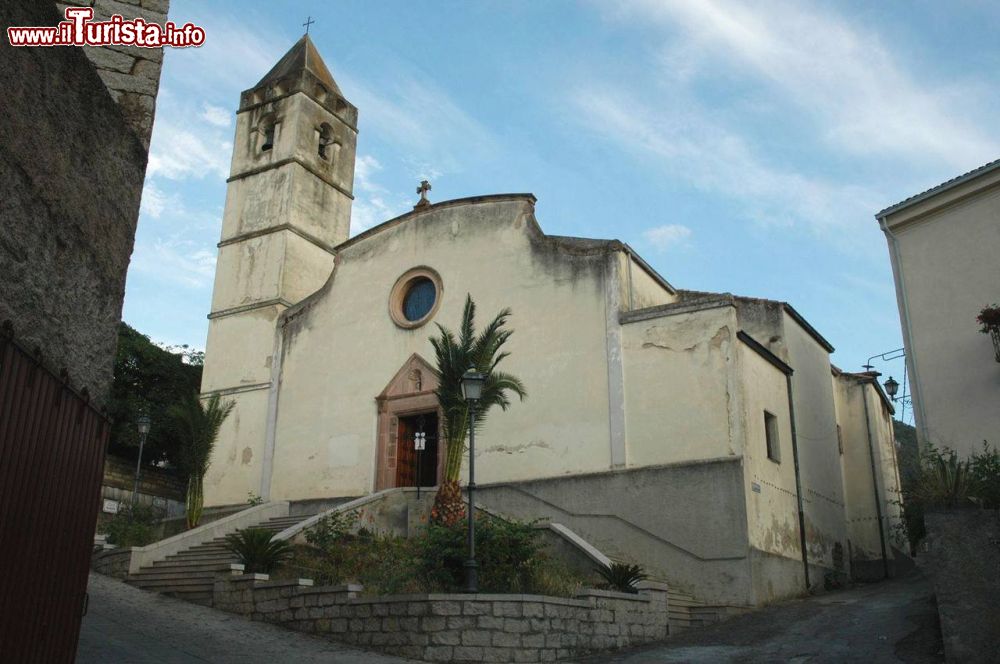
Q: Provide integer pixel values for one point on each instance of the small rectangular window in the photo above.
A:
(771, 435)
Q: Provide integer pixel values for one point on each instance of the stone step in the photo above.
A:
(203, 558)
(177, 575)
(163, 585)
(188, 564)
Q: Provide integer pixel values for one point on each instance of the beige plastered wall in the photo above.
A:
(341, 348)
(947, 270)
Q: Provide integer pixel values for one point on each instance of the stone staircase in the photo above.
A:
(189, 574)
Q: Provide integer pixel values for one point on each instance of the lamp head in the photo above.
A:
(472, 385)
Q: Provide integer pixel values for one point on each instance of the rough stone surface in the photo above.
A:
(131, 74)
(455, 628)
(961, 555)
(69, 210)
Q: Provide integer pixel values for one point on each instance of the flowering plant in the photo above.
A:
(989, 318)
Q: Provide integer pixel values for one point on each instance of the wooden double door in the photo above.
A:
(417, 467)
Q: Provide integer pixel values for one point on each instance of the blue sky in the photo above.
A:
(738, 146)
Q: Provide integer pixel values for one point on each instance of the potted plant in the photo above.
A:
(989, 319)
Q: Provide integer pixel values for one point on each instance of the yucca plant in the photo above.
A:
(198, 425)
(622, 576)
(944, 480)
(455, 355)
(257, 551)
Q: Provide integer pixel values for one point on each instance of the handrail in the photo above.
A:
(292, 531)
(144, 555)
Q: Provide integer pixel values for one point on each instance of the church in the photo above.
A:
(706, 436)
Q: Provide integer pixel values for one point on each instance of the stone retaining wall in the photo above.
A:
(452, 628)
(112, 562)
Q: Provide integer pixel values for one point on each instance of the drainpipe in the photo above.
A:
(798, 482)
(916, 388)
(878, 497)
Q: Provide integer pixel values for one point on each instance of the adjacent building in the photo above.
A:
(945, 250)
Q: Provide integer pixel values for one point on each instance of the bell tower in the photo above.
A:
(288, 204)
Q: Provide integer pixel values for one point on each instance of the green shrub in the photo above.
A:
(508, 553)
(622, 577)
(132, 526)
(256, 551)
(984, 480)
(331, 530)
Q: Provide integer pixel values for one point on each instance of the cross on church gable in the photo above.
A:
(424, 187)
(309, 22)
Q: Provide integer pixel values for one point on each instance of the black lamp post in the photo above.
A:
(142, 423)
(472, 391)
(891, 387)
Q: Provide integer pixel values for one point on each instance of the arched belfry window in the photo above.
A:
(268, 131)
(326, 147)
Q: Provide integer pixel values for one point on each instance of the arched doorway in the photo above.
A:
(407, 406)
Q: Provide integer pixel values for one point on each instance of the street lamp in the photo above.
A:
(142, 423)
(472, 391)
(891, 387)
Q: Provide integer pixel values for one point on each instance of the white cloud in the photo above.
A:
(668, 236)
(688, 145)
(175, 261)
(181, 152)
(373, 203)
(842, 75)
(431, 131)
(216, 115)
(154, 201)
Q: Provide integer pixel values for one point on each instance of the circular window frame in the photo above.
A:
(397, 296)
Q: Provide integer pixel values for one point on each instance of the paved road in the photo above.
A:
(125, 625)
(895, 621)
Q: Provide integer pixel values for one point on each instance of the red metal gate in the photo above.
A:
(52, 446)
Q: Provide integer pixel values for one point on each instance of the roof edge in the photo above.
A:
(934, 191)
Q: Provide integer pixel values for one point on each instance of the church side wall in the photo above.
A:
(643, 290)
(342, 348)
(677, 387)
(819, 458)
(772, 505)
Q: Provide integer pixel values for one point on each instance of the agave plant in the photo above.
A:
(622, 576)
(257, 551)
(455, 355)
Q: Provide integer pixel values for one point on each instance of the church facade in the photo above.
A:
(704, 435)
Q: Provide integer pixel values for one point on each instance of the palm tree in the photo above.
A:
(455, 355)
(198, 426)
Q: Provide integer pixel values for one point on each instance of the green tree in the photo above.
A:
(150, 378)
(198, 425)
(455, 355)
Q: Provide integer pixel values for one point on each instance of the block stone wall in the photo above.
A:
(131, 74)
(452, 628)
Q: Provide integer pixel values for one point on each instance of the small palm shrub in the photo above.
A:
(256, 551)
(622, 576)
